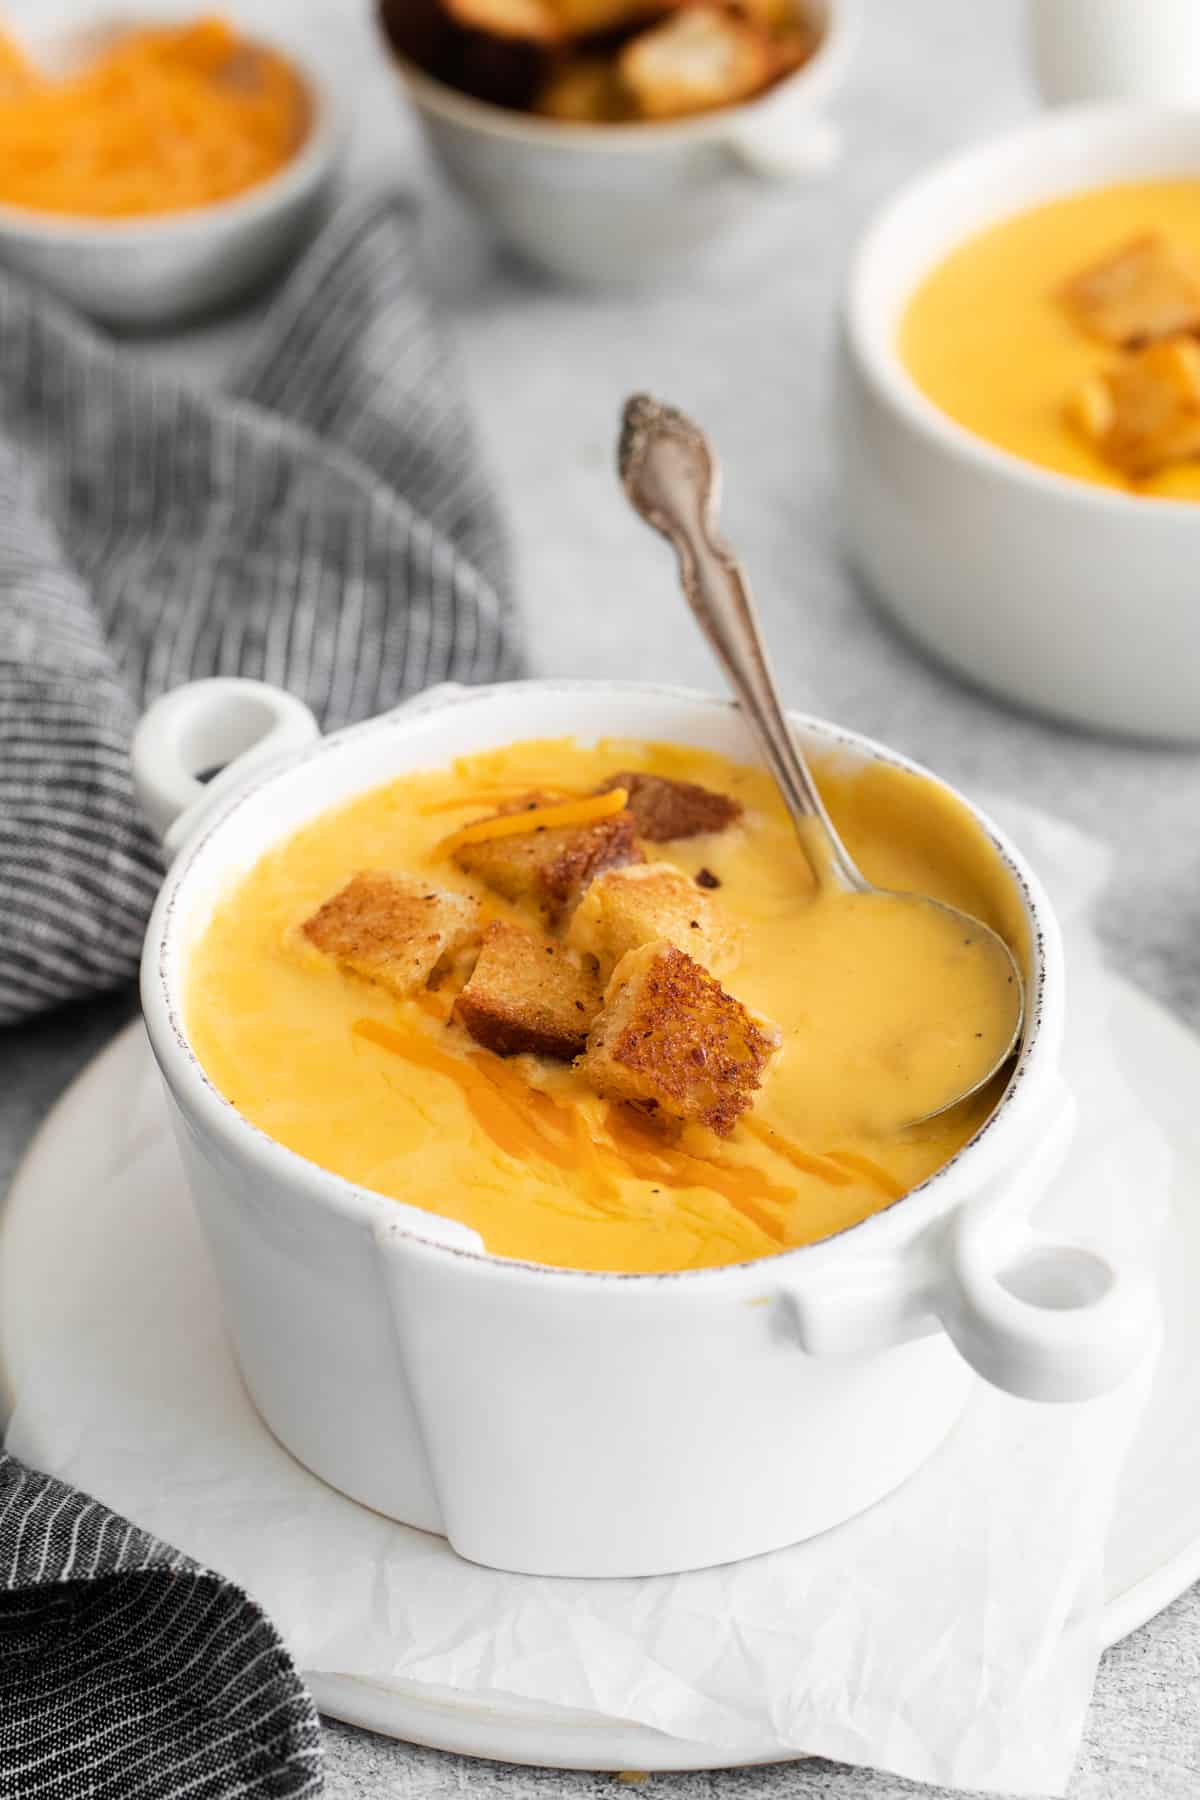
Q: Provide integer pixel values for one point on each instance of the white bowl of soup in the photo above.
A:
(480, 1289)
(1036, 558)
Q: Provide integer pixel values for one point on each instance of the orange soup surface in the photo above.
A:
(987, 338)
(394, 1095)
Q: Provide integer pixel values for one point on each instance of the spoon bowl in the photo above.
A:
(957, 1037)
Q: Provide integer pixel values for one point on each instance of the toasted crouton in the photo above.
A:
(594, 18)
(1146, 291)
(393, 929)
(701, 57)
(666, 809)
(527, 994)
(554, 864)
(1145, 415)
(791, 48)
(1090, 408)
(773, 15)
(528, 21)
(671, 1040)
(792, 30)
(584, 90)
(624, 908)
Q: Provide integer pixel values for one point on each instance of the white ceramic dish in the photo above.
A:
(134, 1255)
(436, 1383)
(1074, 599)
(158, 271)
(640, 203)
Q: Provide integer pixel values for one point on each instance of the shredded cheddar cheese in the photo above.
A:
(526, 1123)
(536, 818)
(163, 120)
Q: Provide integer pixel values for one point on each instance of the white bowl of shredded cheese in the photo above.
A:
(126, 261)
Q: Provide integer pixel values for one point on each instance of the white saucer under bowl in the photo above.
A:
(105, 1150)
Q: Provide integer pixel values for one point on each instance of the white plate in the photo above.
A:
(1154, 1545)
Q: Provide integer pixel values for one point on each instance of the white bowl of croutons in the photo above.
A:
(1019, 416)
(626, 141)
(564, 1420)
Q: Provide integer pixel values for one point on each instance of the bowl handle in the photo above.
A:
(224, 724)
(1037, 1316)
(776, 149)
(1041, 1318)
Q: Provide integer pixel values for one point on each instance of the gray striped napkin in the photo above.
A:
(128, 1672)
(325, 526)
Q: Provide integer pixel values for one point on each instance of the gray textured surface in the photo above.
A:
(547, 369)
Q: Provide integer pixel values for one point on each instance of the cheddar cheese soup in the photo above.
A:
(588, 1002)
(1070, 336)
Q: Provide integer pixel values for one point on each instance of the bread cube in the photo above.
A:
(595, 18)
(1150, 417)
(584, 90)
(699, 58)
(671, 1041)
(393, 929)
(1090, 408)
(649, 902)
(529, 21)
(665, 809)
(1146, 291)
(792, 29)
(527, 994)
(552, 865)
(791, 48)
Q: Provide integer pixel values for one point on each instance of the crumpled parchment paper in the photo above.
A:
(950, 1634)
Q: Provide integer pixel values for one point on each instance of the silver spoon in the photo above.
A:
(672, 478)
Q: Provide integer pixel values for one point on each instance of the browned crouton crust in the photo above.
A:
(392, 929)
(532, 21)
(1145, 291)
(553, 865)
(671, 1040)
(700, 57)
(1156, 408)
(526, 994)
(666, 809)
(599, 18)
(649, 903)
(1145, 414)
(584, 90)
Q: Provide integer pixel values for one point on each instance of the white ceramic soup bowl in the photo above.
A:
(159, 270)
(622, 205)
(1075, 599)
(559, 1422)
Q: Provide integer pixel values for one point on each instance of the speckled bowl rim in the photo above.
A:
(209, 1109)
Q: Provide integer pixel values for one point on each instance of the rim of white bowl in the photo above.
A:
(311, 162)
(162, 1006)
(812, 80)
(878, 354)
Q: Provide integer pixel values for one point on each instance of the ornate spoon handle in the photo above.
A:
(672, 477)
